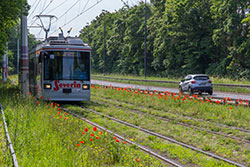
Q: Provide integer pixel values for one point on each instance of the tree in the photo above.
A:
(230, 35)
(10, 11)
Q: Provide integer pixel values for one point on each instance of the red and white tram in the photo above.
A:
(60, 70)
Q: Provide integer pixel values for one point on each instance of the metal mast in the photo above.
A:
(145, 42)
(24, 59)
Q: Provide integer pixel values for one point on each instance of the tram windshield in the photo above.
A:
(67, 66)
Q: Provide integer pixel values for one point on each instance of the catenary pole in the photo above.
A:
(145, 41)
(24, 60)
(17, 65)
(104, 43)
(5, 64)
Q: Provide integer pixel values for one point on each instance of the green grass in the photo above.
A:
(229, 115)
(174, 118)
(43, 137)
(5, 157)
(237, 116)
(185, 156)
(214, 80)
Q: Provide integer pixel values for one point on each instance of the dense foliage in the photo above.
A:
(10, 12)
(183, 36)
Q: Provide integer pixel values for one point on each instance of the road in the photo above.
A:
(152, 88)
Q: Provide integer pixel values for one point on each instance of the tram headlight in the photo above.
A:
(47, 86)
(85, 87)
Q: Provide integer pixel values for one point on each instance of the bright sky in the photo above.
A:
(66, 10)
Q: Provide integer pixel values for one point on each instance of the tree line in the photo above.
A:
(183, 36)
(10, 30)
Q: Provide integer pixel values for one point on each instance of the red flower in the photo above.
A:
(97, 137)
(82, 142)
(37, 102)
(94, 129)
(91, 139)
(65, 118)
(86, 130)
(83, 133)
(100, 132)
(124, 142)
(117, 140)
(137, 160)
(91, 134)
(78, 145)
(114, 137)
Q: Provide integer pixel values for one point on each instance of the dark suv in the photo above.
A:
(196, 83)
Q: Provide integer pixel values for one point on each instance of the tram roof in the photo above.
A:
(61, 43)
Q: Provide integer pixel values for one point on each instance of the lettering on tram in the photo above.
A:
(60, 69)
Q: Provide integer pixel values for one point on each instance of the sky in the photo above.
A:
(68, 13)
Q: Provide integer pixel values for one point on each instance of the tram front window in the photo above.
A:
(67, 66)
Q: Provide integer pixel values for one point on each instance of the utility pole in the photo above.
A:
(145, 42)
(5, 64)
(17, 65)
(24, 60)
(88, 33)
(104, 42)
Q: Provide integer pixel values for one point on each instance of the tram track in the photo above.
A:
(221, 100)
(12, 151)
(165, 138)
(153, 153)
(180, 123)
(184, 116)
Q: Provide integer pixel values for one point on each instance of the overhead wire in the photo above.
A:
(44, 4)
(46, 7)
(34, 3)
(84, 11)
(66, 12)
(85, 6)
(34, 9)
(56, 7)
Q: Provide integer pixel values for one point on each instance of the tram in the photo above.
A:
(60, 69)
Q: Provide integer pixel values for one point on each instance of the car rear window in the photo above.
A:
(201, 77)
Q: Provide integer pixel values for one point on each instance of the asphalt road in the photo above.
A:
(152, 88)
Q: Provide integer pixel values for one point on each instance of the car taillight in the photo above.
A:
(193, 82)
(209, 81)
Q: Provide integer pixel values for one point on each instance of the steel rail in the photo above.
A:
(173, 82)
(9, 140)
(169, 139)
(232, 100)
(166, 160)
(231, 127)
(181, 123)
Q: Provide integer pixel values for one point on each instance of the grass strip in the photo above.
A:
(5, 157)
(208, 142)
(173, 117)
(185, 156)
(170, 85)
(45, 136)
(194, 106)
